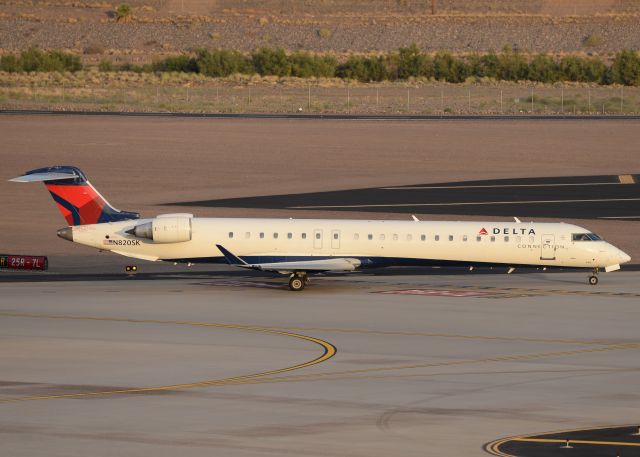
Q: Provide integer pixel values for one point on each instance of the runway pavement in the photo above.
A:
(578, 197)
(355, 365)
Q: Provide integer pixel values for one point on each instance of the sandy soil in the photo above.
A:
(141, 163)
(158, 27)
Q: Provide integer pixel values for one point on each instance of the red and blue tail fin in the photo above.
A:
(78, 201)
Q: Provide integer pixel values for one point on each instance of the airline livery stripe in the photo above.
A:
(594, 200)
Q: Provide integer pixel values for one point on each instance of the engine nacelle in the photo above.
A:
(164, 229)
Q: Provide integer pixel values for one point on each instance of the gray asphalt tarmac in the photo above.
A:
(354, 366)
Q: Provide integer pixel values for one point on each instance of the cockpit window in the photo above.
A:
(585, 237)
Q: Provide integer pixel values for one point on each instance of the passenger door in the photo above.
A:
(548, 248)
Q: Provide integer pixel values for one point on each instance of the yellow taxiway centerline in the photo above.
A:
(329, 350)
(549, 440)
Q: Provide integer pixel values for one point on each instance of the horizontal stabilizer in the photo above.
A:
(39, 177)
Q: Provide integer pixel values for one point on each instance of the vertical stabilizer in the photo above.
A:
(78, 201)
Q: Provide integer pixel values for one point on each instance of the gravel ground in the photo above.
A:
(457, 34)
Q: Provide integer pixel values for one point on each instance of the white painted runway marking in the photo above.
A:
(526, 202)
(497, 186)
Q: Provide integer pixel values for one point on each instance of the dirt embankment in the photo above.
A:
(159, 27)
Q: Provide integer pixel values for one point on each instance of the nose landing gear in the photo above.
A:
(593, 279)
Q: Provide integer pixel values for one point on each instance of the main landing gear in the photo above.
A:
(297, 281)
(593, 279)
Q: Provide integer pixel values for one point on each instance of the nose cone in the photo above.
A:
(66, 233)
(624, 257)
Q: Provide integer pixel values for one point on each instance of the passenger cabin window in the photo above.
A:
(409, 237)
(478, 238)
(437, 237)
(395, 237)
(289, 235)
(261, 234)
(493, 238)
(304, 236)
(335, 236)
(370, 236)
(356, 236)
(518, 238)
(247, 235)
(585, 237)
(230, 234)
(275, 235)
(506, 239)
(423, 237)
(464, 237)
(450, 237)
(382, 237)
(317, 236)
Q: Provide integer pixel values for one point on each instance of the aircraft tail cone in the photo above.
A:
(66, 233)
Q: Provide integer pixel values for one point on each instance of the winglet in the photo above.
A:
(229, 257)
(415, 219)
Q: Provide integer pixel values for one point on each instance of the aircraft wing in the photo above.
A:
(335, 264)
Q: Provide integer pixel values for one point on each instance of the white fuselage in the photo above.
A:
(375, 243)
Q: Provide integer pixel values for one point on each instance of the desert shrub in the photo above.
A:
(181, 63)
(450, 69)
(363, 69)
(9, 63)
(625, 68)
(37, 60)
(484, 66)
(146, 68)
(571, 68)
(412, 63)
(268, 61)
(512, 66)
(123, 10)
(324, 33)
(593, 40)
(544, 69)
(595, 70)
(220, 62)
(305, 65)
(105, 66)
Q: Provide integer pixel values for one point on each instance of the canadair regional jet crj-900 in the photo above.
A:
(298, 247)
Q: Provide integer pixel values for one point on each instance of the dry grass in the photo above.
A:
(181, 92)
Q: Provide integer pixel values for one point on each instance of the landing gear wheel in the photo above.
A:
(296, 283)
(593, 280)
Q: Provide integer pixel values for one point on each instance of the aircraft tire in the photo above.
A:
(296, 283)
(593, 280)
